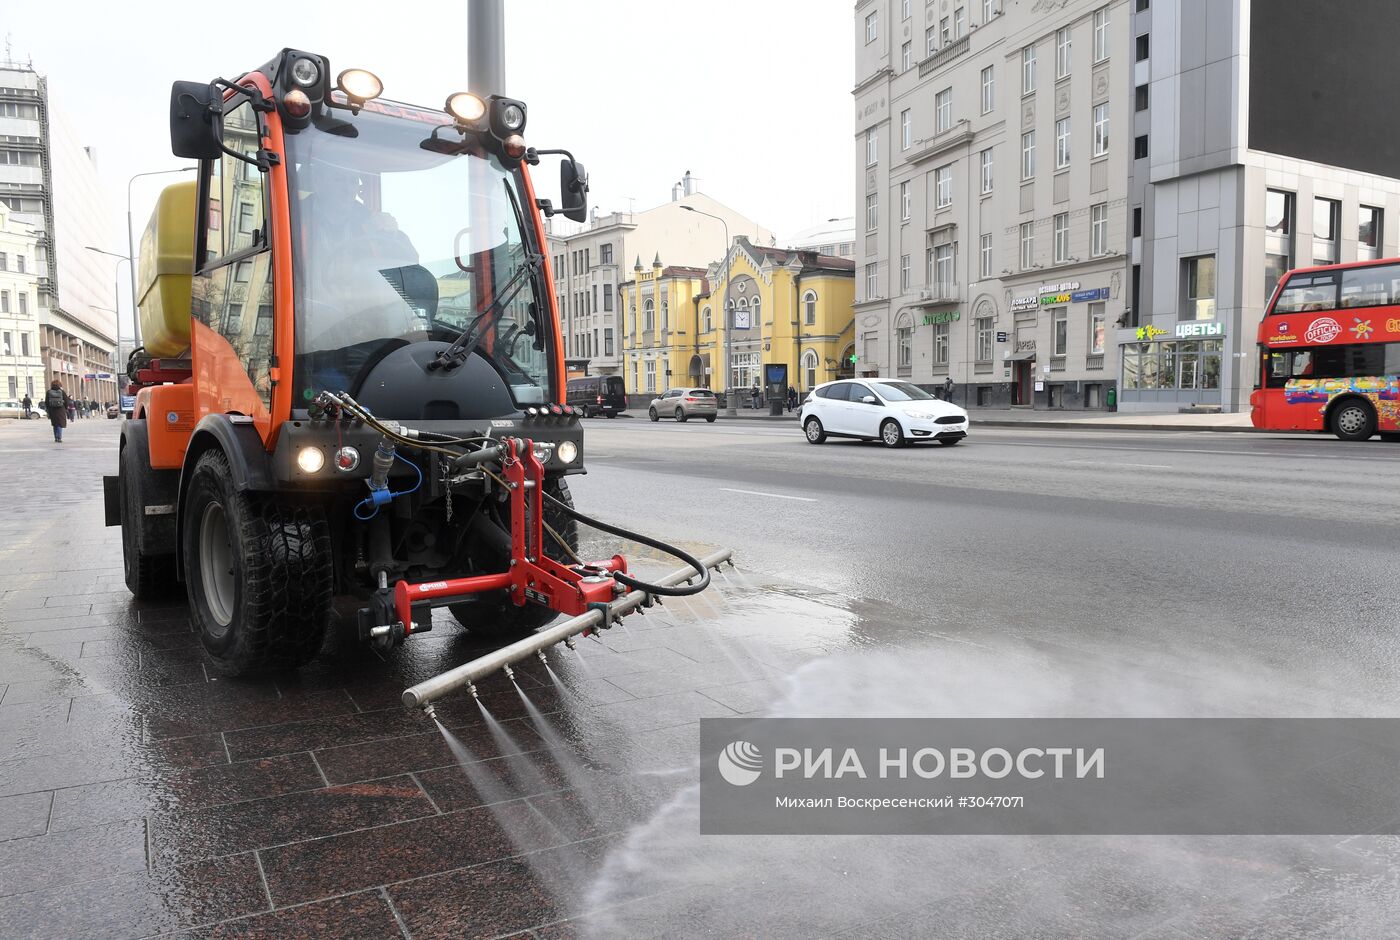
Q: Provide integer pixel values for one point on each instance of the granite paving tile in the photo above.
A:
(65, 857)
(543, 886)
(217, 830)
(530, 774)
(212, 710)
(26, 814)
(137, 905)
(417, 752)
(363, 916)
(323, 732)
(63, 769)
(310, 870)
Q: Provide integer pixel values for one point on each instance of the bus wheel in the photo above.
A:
(258, 573)
(1353, 420)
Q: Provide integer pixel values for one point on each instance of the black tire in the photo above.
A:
(709, 419)
(149, 574)
(891, 434)
(651, 413)
(1353, 419)
(495, 615)
(680, 415)
(270, 611)
(950, 441)
(812, 428)
(612, 414)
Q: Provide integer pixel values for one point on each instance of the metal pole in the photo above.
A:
(429, 690)
(731, 404)
(486, 47)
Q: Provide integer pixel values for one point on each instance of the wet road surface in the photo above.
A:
(1023, 573)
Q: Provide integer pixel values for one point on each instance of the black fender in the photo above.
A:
(248, 461)
(159, 491)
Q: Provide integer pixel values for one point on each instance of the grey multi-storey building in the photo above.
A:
(1080, 203)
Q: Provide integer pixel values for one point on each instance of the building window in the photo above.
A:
(1062, 52)
(809, 369)
(607, 298)
(607, 342)
(1368, 234)
(651, 375)
(931, 40)
(872, 212)
(943, 111)
(1101, 129)
(1140, 148)
(707, 319)
(941, 344)
(905, 9)
(1027, 245)
(1100, 35)
(1098, 230)
(943, 186)
(945, 31)
(23, 303)
(959, 23)
(1143, 96)
(24, 344)
(986, 256)
(906, 203)
(1028, 155)
(904, 341)
(1098, 327)
(872, 280)
(605, 254)
(906, 56)
(872, 147)
(648, 316)
(1061, 237)
(1143, 47)
(903, 273)
(809, 308)
(906, 129)
(1137, 221)
(1326, 214)
(1028, 70)
(988, 90)
(1198, 293)
(872, 26)
(4, 261)
(986, 166)
(4, 301)
(943, 277)
(1278, 237)
(1062, 143)
(19, 263)
(1059, 331)
(989, 10)
(984, 339)
(1142, 5)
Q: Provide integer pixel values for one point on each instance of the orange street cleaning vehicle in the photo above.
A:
(352, 380)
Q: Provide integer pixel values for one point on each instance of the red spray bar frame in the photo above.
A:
(533, 577)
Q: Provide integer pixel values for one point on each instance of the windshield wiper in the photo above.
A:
(455, 354)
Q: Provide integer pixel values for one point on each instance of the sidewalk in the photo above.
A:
(1068, 420)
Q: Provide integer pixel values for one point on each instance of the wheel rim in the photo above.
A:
(1351, 419)
(890, 433)
(814, 430)
(216, 564)
(680, 414)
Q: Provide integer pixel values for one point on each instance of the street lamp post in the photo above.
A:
(131, 248)
(731, 402)
(116, 314)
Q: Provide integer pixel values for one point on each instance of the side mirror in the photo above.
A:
(196, 121)
(870, 400)
(573, 189)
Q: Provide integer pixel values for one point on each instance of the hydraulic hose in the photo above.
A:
(682, 590)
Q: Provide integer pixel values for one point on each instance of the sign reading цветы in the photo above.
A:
(1190, 330)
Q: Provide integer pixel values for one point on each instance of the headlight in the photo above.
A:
(311, 459)
(542, 452)
(465, 107)
(305, 72)
(513, 117)
(347, 458)
(360, 85)
(922, 415)
(567, 451)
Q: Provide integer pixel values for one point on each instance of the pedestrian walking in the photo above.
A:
(948, 389)
(28, 404)
(71, 407)
(753, 397)
(792, 398)
(59, 406)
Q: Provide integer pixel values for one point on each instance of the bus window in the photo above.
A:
(1307, 292)
(1374, 286)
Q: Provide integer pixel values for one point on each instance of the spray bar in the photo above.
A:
(428, 691)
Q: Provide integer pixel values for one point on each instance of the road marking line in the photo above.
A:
(1147, 466)
(801, 499)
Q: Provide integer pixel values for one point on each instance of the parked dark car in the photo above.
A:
(598, 395)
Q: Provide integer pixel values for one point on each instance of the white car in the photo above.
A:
(888, 410)
(11, 408)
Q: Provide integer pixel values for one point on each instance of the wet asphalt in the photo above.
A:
(1025, 572)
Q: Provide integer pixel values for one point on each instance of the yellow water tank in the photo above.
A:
(167, 266)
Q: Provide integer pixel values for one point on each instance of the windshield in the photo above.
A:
(397, 244)
(901, 391)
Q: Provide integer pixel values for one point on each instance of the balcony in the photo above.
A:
(939, 293)
(945, 55)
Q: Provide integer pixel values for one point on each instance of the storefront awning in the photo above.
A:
(1021, 356)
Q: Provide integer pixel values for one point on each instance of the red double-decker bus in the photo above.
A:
(1329, 350)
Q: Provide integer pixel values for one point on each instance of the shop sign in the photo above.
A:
(1001, 336)
(1059, 288)
(1203, 328)
(1026, 345)
(1073, 297)
(1024, 303)
(1149, 333)
(947, 316)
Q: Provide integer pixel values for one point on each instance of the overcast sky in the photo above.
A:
(752, 96)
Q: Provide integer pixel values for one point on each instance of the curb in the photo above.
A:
(1093, 426)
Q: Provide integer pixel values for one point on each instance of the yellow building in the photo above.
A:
(790, 309)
